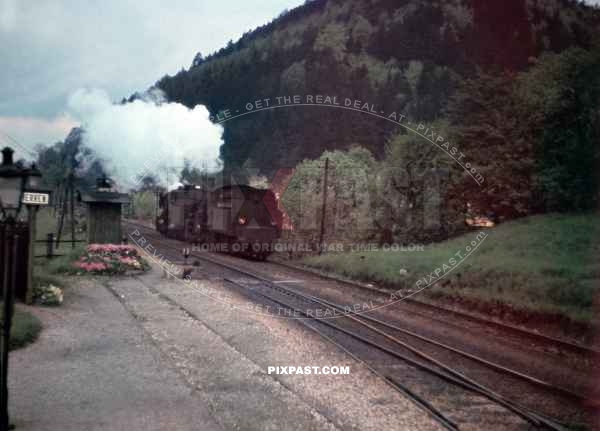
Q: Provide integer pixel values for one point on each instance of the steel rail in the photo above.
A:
(568, 344)
(450, 374)
(432, 411)
(529, 415)
(456, 377)
(572, 345)
(487, 363)
(419, 401)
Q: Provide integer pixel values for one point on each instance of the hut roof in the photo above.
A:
(94, 196)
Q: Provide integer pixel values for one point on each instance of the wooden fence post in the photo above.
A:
(49, 243)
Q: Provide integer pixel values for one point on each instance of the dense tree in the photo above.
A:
(414, 185)
(71, 156)
(400, 55)
(487, 128)
(560, 101)
(350, 192)
(150, 182)
(144, 204)
(525, 129)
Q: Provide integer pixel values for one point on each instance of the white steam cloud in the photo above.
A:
(142, 137)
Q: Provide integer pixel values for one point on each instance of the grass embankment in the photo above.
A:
(50, 271)
(25, 328)
(47, 222)
(44, 270)
(546, 264)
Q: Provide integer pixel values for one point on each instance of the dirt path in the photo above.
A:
(120, 356)
(94, 368)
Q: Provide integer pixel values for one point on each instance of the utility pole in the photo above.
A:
(168, 218)
(62, 213)
(324, 207)
(72, 209)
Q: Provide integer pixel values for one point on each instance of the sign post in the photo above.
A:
(31, 217)
(33, 198)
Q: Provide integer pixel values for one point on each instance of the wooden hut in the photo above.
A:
(104, 206)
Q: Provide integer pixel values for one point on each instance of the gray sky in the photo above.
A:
(51, 48)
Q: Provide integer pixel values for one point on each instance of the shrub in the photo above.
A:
(25, 329)
(47, 295)
(63, 264)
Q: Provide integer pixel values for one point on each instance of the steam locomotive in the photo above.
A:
(236, 219)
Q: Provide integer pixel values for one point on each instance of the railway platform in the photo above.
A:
(162, 356)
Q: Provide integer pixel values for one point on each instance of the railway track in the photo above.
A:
(559, 343)
(366, 329)
(433, 311)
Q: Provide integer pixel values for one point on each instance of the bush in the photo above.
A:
(143, 204)
(64, 264)
(25, 329)
(47, 295)
(545, 264)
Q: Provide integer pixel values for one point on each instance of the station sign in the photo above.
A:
(30, 198)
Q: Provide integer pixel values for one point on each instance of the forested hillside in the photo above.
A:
(469, 68)
(402, 55)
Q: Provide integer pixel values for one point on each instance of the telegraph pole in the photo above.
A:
(168, 218)
(324, 207)
(72, 208)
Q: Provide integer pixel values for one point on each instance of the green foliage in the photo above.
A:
(144, 204)
(348, 194)
(486, 127)
(58, 161)
(413, 75)
(50, 163)
(560, 98)
(294, 77)
(415, 187)
(378, 72)
(48, 294)
(25, 329)
(412, 152)
(533, 138)
(404, 56)
(459, 15)
(361, 32)
(333, 37)
(149, 183)
(64, 264)
(41, 278)
(541, 263)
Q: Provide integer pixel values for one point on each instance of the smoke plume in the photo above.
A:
(143, 137)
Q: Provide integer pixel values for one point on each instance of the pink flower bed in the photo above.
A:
(110, 259)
